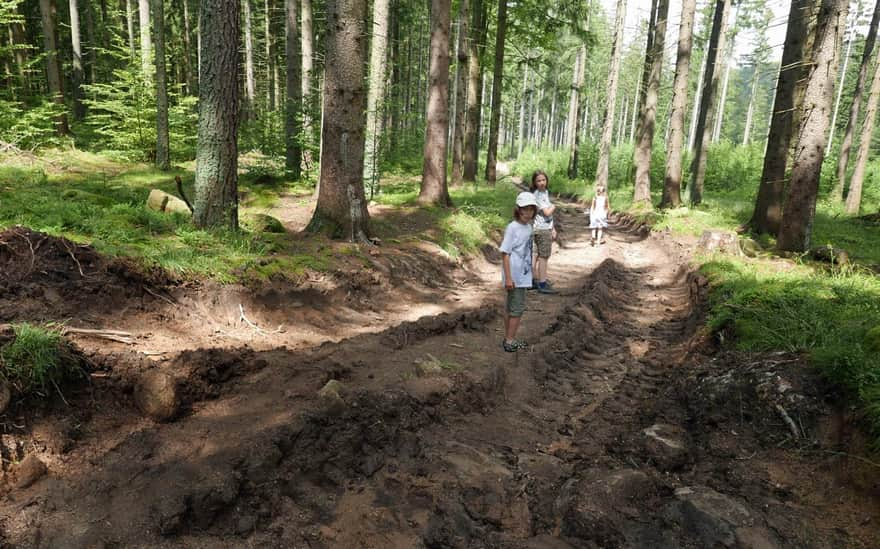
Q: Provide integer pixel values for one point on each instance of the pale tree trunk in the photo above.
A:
(847, 140)
(49, 18)
(293, 97)
(768, 204)
(191, 88)
(268, 7)
(644, 76)
(92, 41)
(341, 209)
(799, 210)
(497, 77)
(695, 111)
(474, 91)
(376, 91)
(308, 97)
(163, 160)
(645, 136)
(461, 68)
(613, 75)
(854, 197)
(672, 177)
(728, 64)
(574, 110)
(77, 80)
(17, 37)
(707, 101)
(842, 79)
(550, 129)
(216, 182)
(750, 113)
(129, 22)
(250, 85)
(434, 190)
(146, 41)
(523, 100)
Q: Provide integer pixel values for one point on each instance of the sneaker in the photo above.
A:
(511, 347)
(593, 242)
(547, 290)
(520, 344)
(602, 241)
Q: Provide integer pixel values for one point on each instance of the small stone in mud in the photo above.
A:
(30, 470)
(713, 517)
(666, 445)
(157, 396)
(331, 390)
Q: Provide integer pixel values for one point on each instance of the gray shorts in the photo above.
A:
(544, 242)
(516, 301)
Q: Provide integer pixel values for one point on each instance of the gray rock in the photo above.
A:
(709, 516)
(157, 397)
(263, 223)
(667, 445)
(332, 390)
(719, 241)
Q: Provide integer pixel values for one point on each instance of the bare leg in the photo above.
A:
(512, 325)
(541, 269)
(600, 236)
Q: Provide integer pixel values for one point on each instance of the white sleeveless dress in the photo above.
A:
(598, 215)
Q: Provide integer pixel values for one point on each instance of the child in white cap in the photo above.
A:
(516, 273)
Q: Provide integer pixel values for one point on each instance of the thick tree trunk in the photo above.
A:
(461, 68)
(308, 95)
(250, 87)
(434, 190)
(163, 160)
(613, 75)
(854, 197)
(768, 204)
(574, 110)
(376, 92)
(672, 178)
(216, 182)
(842, 79)
(847, 140)
(49, 18)
(707, 101)
(342, 206)
(474, 90)
(800, 203)
(146, 40)
(645, 136)
(293, 98)
(77, 76)
(191, 88)
(497, 84)
(129, 23)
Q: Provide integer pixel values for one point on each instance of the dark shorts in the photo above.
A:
(544, 242)
(516, 301)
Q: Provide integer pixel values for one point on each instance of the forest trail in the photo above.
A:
(618, 427)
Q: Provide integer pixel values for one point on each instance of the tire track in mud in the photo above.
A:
(438, 439)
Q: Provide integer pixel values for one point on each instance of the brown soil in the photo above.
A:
(385, 414)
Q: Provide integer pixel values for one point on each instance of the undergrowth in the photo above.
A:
(36, 361)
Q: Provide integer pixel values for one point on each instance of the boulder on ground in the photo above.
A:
(156, 395)
(263, 223)
(161, 201)
(719, 241)
(30, 470)
(830, 254)
(331, 390)
(750, 247)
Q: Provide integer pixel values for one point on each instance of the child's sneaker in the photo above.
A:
(520, 344)
(510, 347)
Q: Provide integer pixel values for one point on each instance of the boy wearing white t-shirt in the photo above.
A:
(516, 261)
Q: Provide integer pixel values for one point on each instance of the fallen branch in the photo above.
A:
(791, 425)
(253, 326)
(112, 335)
(168, 300)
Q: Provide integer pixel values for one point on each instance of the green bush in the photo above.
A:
(32, 126)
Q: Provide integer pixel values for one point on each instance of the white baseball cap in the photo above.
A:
(524, 199)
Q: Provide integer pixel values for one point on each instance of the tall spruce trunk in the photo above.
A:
(49, 20)
(376, 91)
(672, 178)
(768, 204)
(434, 189)
(497, 86)
(79, 109)
(268, 43)
(842, 79)
(191, 88)
(474, 90)
(146, 40)
(342, 207)
(645, 136)
(750, 112)
(854, 197)
(613, 75)
(848, 134)
(129, 23)
(163, 159)
(216, 182)
(250, 86)
(707, 101)
(574, 110)
(728, 65)
(523, 101)
(695, 112)
(293, 97)
(308, 95)
(799, 209)
(461, 74)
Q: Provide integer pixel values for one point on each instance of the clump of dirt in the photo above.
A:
(47, 277)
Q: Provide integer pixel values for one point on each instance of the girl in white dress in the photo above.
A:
(599, 209)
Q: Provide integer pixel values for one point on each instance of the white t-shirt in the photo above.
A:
(543, 222)
(517, 244)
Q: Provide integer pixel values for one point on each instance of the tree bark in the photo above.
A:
(216, 182)
(376, 91)
(613, 75)
(191, 88)
(523, 101)
(163, 159)
(49, 18)
(293, 101)
(434, 190)
(750, 113)
(342, 206)
(672, 178)
(799, 210)
(461, 74)
(497, 85)
(728, 64)
(854, 197)
(146, 40)
(474, 90)
(574, 110)
(308, 96)
(645, 136)
(842, 79)
(79, 110)
(707, 101)
(268, 7)
(768, 204)
(250, 88)
(692, 130)
(129, 22)
(847, 141)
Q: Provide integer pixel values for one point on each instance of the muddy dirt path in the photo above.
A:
(617, 428)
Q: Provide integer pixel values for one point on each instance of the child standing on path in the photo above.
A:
(545, 232)
(599, 209)
(516, 261)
